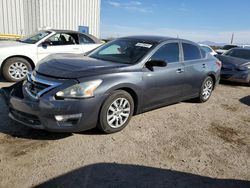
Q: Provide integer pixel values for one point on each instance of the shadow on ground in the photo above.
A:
(245, 100)
(118, 175)
(233, 84)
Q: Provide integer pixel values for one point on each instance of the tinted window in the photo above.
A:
(239, 53)
(85, 40)
(168, 52)
(191, 52)
(206, 49)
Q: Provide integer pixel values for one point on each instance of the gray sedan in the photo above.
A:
(105, 88)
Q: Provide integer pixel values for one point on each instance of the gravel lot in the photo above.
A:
(183, 145)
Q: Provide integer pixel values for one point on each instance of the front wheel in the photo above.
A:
(206, 89)
(15, 69)
(116, 112)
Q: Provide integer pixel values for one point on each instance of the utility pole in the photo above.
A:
(232, 39)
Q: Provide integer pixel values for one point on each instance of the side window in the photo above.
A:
(63, 39)
(191, 52)
(85, 39)
(168, 52)
(203, 53)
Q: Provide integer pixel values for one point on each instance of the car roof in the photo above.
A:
(154, 38)
(230, 45)
(62, 30)
(240, 48)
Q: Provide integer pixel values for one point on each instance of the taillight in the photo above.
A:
(218, 63)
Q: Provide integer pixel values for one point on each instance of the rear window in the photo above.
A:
(207, 49)
(239, 53)
(85, 39)
(191, 52)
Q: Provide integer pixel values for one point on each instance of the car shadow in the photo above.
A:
(120, 175)
(233, 84)
(17, 130)
(94, 131)
(245, 100)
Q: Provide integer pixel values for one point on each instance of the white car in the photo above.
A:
(17, 58)
(208, 49)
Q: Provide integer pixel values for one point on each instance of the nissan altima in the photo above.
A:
(105, 88)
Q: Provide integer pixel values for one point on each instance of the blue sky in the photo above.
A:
(197, 20)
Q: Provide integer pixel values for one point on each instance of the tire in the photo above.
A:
(207, 85)
(116, 112)
(15, 69)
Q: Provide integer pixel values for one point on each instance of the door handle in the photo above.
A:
(204, 65)
(179, 70)
(76, 48)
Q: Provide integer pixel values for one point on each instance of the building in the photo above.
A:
(23, 17)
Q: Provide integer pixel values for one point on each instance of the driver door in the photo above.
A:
(164, 85)
(59, 43)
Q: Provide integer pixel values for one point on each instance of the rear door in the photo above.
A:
(86, 43)
(164, 84)
(60, 43)
(195, 66)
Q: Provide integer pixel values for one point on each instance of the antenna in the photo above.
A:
(232, 39)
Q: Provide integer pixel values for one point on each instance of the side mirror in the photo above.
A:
(45, 44)
(155, 63)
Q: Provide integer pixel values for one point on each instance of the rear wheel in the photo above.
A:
(206, 89)
(15, 69)
(116, 112)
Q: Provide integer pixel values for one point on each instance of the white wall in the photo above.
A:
(27, 16)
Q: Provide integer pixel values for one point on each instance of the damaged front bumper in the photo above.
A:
(236, 75)
(48, 113)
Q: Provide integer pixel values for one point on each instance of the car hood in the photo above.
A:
(11, 44)
(76, 66)
(231, 61)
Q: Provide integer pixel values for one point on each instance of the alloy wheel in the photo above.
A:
(18, 70)
(118, 112)
(207, 89)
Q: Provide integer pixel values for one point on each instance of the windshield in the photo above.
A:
(239, 53)
(32, 39)
(128, 51)
(228, 47)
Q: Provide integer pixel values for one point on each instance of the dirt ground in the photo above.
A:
(182, 145)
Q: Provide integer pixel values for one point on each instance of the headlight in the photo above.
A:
(82, 90)
(245, 66)
(248, 66)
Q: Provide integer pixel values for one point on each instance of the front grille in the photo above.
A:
(35, 87)
(25, 117)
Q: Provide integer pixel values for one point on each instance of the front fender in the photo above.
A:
(6, 92)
